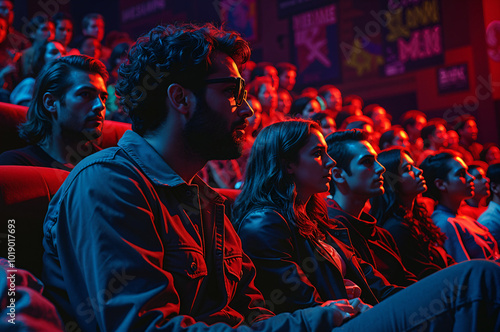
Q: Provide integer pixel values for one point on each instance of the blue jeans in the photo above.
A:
(463, 297)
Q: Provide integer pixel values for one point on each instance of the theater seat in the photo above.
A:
(25, 193)
(13, 115)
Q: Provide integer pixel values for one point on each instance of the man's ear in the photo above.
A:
(440, 184)
(50, 102)
(338, 175)
(180, 98)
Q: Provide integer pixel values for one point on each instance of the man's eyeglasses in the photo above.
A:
(240, 94)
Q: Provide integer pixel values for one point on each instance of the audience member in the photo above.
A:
(117, 58)
(476, 205)
(419, 241)
(157, 226)
(43, 29)
(490, 153)
(284, 102)
(30, 311)
(8, 59)
(89, 45)
(93, 26)
(304, 108)
(364, 123)
(50, 50)
(66, 114)
(16, 40)
(326, 122)
(453, 139)
(466, 128)
(263, 89)
(287, 74)
(354, 100)
(491, 217)
(266, 69)
(449, 183)
(356, 178)
(309, 92)
(64, 31)
(413, 121)
(333, 99)
(246, 73)
(380, 118)
(396, 136)
(435, 139)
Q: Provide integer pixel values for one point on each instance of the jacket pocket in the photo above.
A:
(189, 262)
(233, 266)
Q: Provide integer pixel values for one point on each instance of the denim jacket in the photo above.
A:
(130, 246)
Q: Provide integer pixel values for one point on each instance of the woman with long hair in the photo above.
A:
(300, 258)
(282, 220)
(419, 241)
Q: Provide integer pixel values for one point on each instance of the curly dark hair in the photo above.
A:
(171, 54)
(387, 205)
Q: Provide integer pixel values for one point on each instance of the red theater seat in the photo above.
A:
(12, 115)
(25, 193)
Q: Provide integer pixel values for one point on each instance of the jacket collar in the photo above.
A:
(365, 224)
(156, 169)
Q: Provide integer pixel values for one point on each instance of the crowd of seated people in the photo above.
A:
(341, 216)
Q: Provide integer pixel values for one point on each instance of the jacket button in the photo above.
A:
(193, 267)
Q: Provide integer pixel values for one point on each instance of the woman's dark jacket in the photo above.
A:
(294, 272)
(373, 244)
(420, 258)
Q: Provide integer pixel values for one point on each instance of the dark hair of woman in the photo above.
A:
(268, 184)
(388, 204)
(299, 105)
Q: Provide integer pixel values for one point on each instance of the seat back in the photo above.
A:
(25, 193)
(11, 116)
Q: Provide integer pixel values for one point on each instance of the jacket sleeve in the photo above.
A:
(454, 244)
(378, 284)
(267, 239)
(416, 260)
(409, 277)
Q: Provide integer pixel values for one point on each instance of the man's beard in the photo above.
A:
(206, 134)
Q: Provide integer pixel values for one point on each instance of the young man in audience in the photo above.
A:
(449, 183)
(466, 128)
(42, 30)
(287, 74)
(491, 217)
(413, 122)
(64, 31)
(333, 99)
(134, 239)
(435, 139)
(93, 26)
(66, 114)
(16, 39)
(355, 179)
(476, 205)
